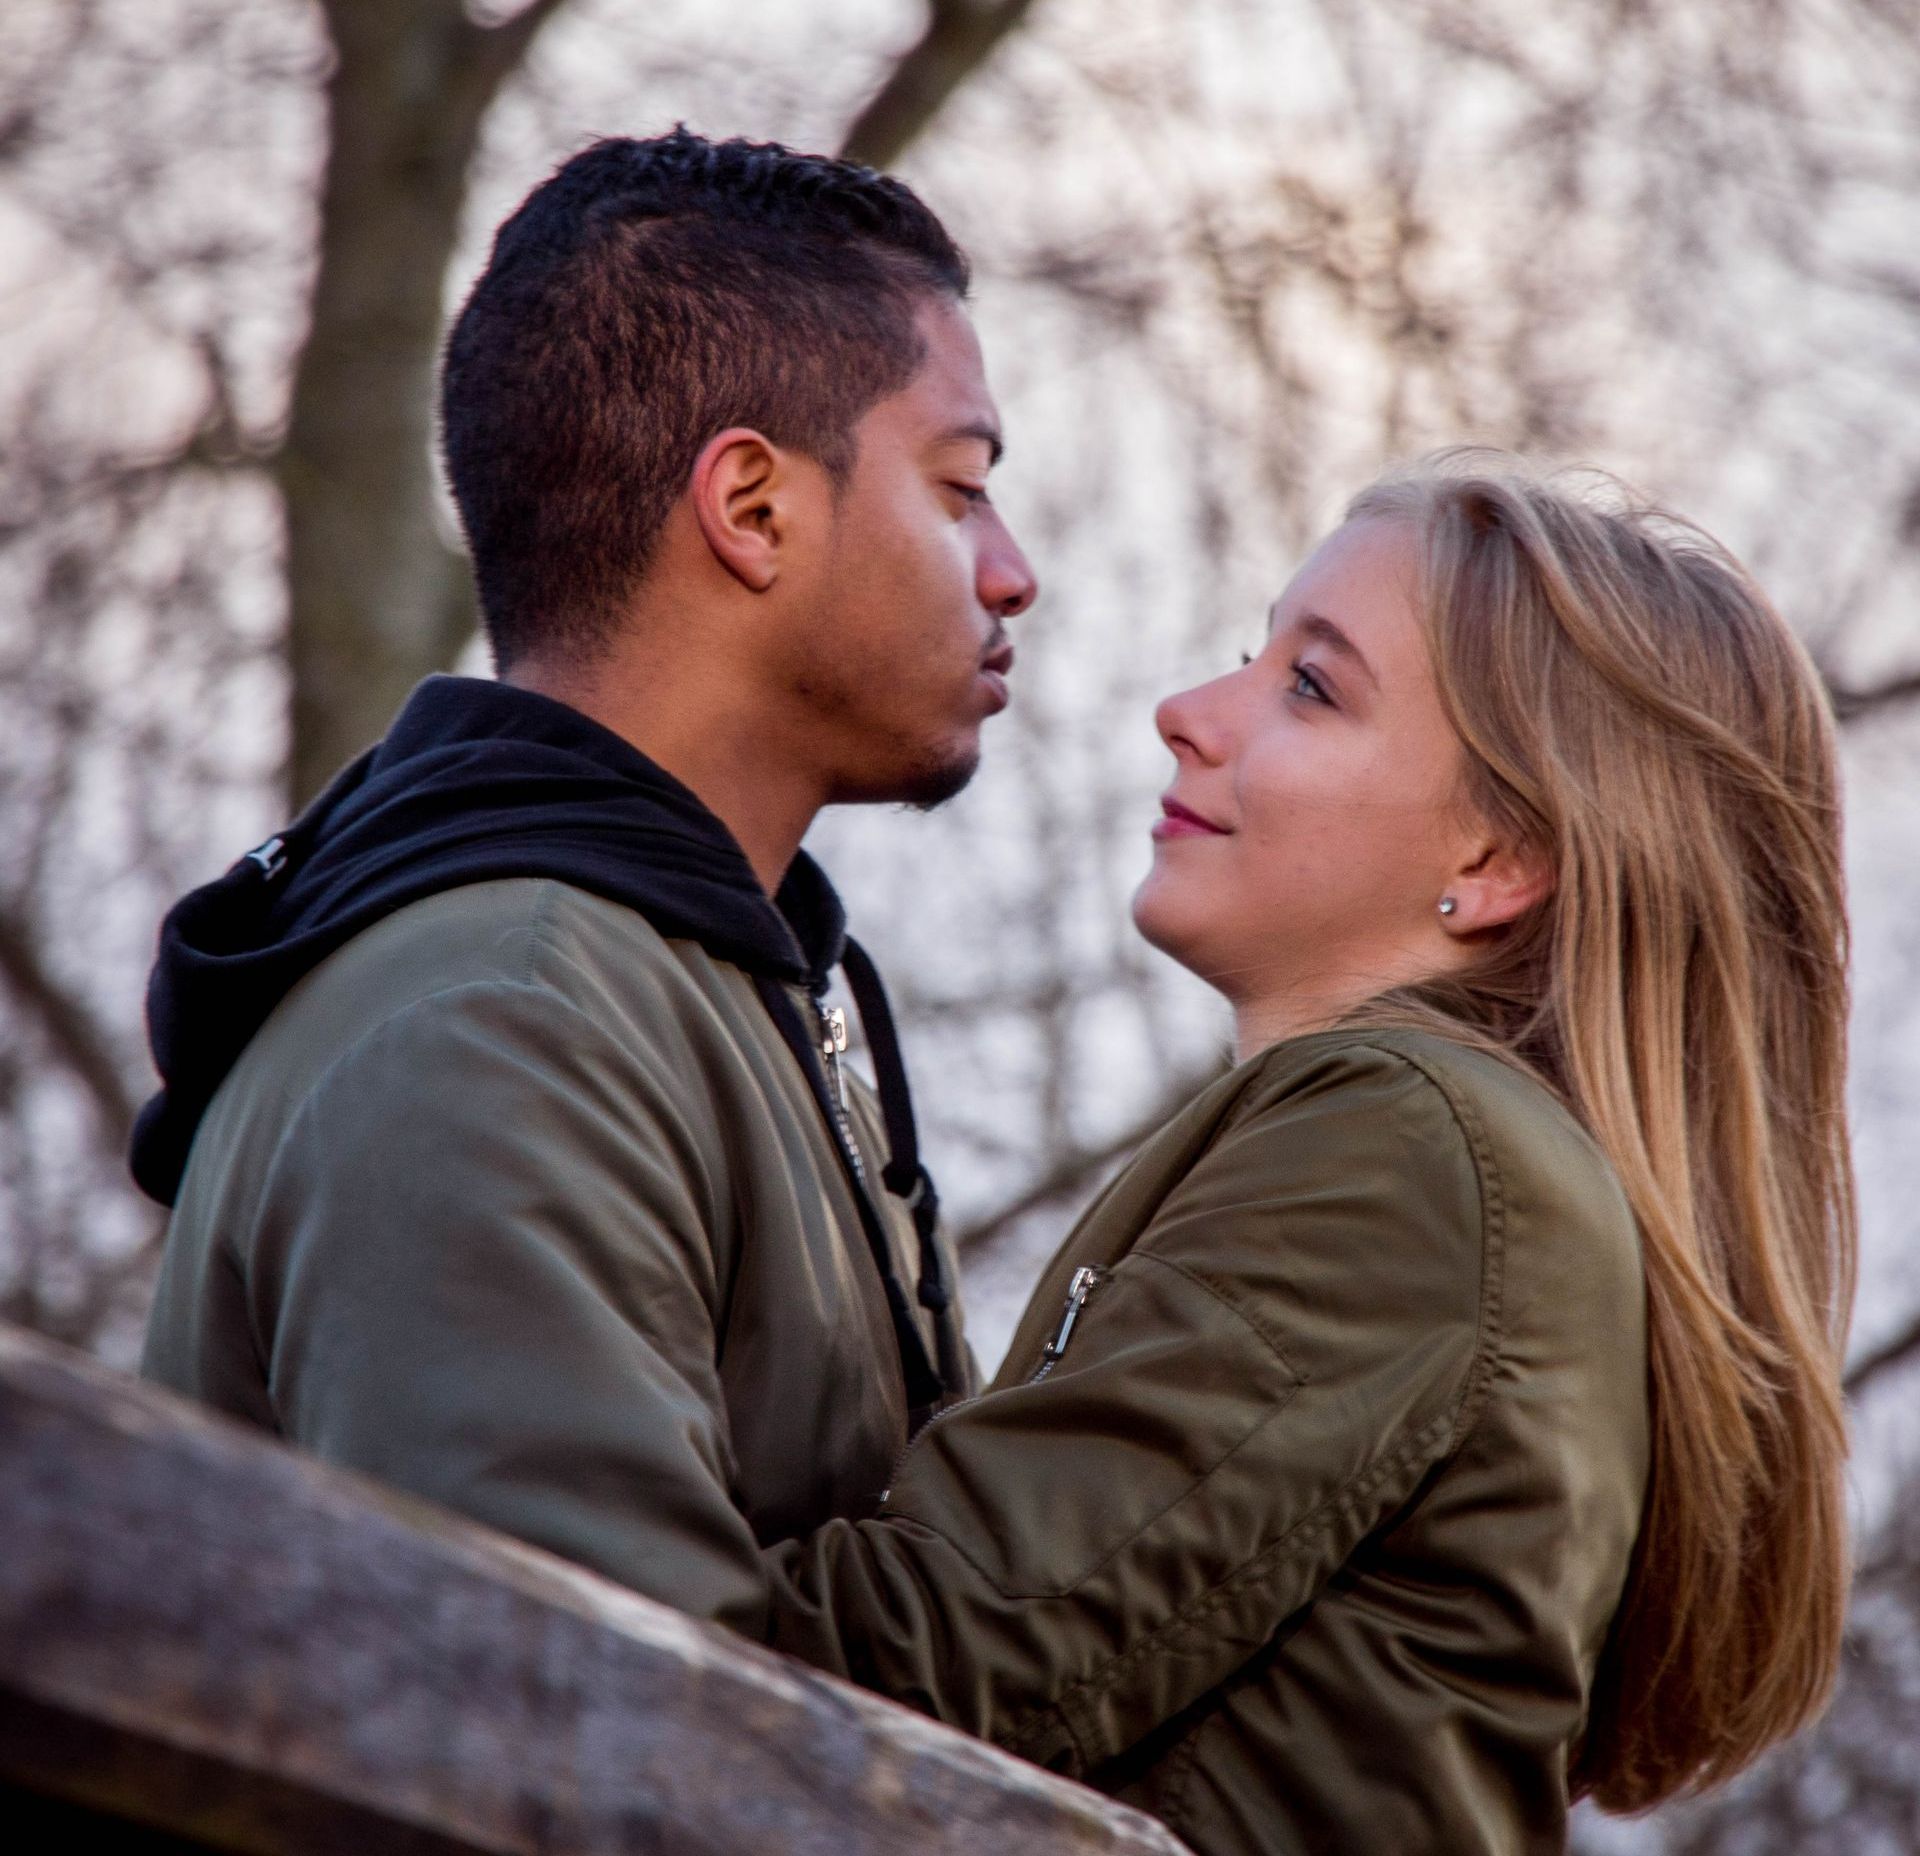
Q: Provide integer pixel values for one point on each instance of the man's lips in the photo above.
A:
(993, 673)
(1178, 821)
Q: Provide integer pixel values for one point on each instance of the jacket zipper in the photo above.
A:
(1086, 1279)
(822, 1046)
(831, 1022)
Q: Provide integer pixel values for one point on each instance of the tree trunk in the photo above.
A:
(376, 597)
(959, 37)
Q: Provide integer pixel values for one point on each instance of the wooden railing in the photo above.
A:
(211, 1642)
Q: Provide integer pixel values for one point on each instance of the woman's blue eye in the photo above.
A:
(1305, 683)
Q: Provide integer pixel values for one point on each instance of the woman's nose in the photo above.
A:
(1187, 722)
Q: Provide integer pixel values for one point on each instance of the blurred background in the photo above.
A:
(1232, 255)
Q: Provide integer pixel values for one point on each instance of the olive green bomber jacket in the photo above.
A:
(1309, 1537)
(518, 1205)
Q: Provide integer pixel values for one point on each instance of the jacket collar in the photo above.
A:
(475, 781)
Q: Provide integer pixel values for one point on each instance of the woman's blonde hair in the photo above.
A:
(1635, 711)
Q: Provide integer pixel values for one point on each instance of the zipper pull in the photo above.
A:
(833, 1040)
(832, 1025)
(1085, 1280)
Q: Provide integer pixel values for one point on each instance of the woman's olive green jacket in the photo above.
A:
(1308, 1536)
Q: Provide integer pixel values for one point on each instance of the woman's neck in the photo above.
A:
(1309, 1003)
(1258, 1023)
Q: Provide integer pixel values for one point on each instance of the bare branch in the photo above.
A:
(1890, 1354)
(960, 36)
(1077, 1167)
(69, 1023)
(1851, 703)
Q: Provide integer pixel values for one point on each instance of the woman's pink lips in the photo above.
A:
(1177, 822)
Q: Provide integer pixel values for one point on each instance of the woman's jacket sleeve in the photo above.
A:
(1266, 1375)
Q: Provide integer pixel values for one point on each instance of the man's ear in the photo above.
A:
(743, 495)
(1499, 886)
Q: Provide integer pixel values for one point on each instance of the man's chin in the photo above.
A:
(933, 785)
(923, 784)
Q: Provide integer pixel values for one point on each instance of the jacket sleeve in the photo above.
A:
(1268, 1373)
(484, 1272)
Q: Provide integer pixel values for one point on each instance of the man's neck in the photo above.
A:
(720, 750)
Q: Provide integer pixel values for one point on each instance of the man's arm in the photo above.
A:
(485, 1272)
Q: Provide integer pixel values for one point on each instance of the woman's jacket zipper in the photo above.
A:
(1086, 1279)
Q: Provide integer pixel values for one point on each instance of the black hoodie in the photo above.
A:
(478, 781)
(474, 782)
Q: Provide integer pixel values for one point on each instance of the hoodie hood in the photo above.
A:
(476, 781)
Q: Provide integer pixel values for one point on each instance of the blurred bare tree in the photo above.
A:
(1232, 258)
(334, 435)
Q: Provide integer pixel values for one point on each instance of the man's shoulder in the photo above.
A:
(529, 933)
(525, 962)
(495, 929)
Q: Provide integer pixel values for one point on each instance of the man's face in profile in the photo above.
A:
(907, 654)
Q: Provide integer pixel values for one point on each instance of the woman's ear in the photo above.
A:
(1502, 883)
(741, 489)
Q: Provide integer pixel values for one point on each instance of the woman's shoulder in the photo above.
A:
(1358, 1144)
(1416, 1102)
(1424, 1081)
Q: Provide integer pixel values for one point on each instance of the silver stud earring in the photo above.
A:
(1447, 905)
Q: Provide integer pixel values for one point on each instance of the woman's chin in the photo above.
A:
(1158, 917)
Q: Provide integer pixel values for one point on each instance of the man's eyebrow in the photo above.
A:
(1317, 626)
(980, 430)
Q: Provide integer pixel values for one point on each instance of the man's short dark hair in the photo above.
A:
(651, 294)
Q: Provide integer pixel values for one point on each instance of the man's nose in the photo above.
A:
(1007, 583)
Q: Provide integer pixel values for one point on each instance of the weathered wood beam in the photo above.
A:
(208, 1634)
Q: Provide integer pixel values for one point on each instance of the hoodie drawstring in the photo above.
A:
(925, 1386)
(906, 1174)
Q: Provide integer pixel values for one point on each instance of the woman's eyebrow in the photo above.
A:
(1317, 626)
